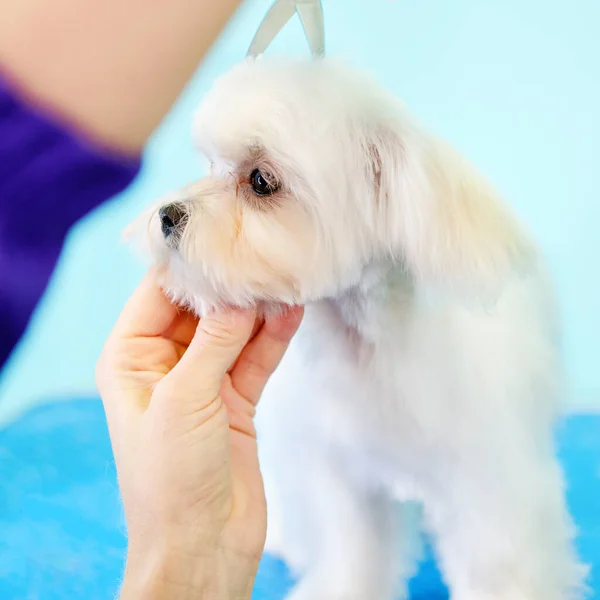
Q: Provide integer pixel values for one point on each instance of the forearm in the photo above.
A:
(112, 68)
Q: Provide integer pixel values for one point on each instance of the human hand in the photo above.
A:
(180, 420)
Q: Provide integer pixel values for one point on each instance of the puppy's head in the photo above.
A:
(315, 174)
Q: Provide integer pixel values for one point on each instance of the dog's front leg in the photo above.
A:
(349, 538)
(503, 531)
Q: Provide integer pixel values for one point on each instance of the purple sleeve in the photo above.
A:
(49, 179)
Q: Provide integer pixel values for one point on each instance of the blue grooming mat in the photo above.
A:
(62, 535)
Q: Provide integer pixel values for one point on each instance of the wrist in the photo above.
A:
(169, 574)
(154, 574)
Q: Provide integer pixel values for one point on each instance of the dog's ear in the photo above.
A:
(442, 219)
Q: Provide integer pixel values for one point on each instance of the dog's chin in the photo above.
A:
(206, 297)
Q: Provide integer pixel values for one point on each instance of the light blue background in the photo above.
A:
(515, 84)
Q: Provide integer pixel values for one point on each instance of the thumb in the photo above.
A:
(217, 343)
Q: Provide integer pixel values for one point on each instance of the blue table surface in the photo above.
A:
(61, 527)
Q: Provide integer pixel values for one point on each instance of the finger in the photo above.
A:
(218, 341)
(258, 325)
(148, 312)
(261, 356)
(182, 329)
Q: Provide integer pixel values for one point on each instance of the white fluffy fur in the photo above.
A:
(427, 368)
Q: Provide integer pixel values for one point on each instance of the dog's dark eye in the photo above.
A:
(262, 185)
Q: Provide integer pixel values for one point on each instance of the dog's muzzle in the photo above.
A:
(173, 218)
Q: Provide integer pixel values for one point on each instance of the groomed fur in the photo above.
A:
(427, 368)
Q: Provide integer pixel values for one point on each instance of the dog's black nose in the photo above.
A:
(171, 217)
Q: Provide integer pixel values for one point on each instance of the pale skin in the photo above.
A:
(180, 397)
(112, 68)
(179, 414)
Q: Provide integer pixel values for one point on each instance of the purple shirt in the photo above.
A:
(49, 179)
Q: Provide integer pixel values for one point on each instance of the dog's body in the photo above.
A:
(383, 399)
(427, 367)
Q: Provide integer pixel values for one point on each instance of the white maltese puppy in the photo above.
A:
(427, 367)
